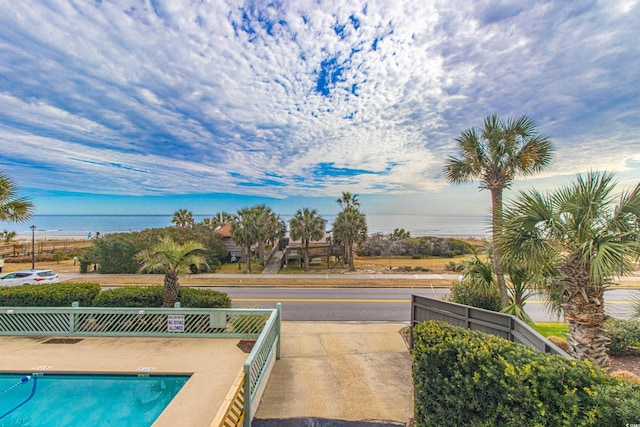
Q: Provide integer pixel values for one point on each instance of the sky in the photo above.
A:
(148, 106)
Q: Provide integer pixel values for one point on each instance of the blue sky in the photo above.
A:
(146, 106)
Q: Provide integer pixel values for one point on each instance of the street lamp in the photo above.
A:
(33, 247)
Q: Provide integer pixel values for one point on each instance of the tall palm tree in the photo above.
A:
(12, 207)
(268, 227)
(183, 218)
(306, 225)
(273, 229)
(350, 228)
(172, 259)
(581, 239)
(245, 231)
(496, 154)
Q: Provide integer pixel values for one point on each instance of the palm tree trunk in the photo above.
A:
(306, 255)
(249, 258)
(496, 228)
(170, 293)
(583, 309)
(261, 252)
(352, 266)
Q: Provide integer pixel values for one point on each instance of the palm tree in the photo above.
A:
(245, 231)
(273, 229)
(581, 240)
(183, 218)
(496, 154)
(268, 227)
(523, 286)
(399, 234)
(8, 236)
(172, 259)
(12, 207)
(220, 219)
(348, 200)
(349, 228)
(306, 225)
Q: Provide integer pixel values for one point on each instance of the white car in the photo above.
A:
(29, 277)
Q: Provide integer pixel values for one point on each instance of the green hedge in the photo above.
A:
(203, 298)
(54, 295)
(464, 377)
(624, 335)
(463, 292)
(89, 294)
(151, 296)
(130, 296)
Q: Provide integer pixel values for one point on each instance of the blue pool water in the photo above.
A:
(85, 400)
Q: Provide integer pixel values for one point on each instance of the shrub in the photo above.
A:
(130, 296)
(462, 292)
(151, 296)
(626, 376)
(84, 264)
(115, 253)
(454, 266)
(58, 256)
(560, 342)
(203, 298)
(623, 334)
(54, 295)
(466, 377)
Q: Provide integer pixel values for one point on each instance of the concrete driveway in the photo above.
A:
(340, 371)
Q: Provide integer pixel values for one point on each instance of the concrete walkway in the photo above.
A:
(340, 371)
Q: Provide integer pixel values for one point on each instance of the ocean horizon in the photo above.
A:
(51, 226)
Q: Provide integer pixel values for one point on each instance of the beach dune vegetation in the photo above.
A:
(380, 244)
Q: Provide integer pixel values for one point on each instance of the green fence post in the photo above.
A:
(279, 329)
(72, 318)
(247, 394)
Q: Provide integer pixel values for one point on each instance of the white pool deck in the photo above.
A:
(212, 363)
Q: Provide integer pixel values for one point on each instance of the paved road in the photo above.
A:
(367, 304)
(375, 304)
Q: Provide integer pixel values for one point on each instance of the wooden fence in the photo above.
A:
(23, 247)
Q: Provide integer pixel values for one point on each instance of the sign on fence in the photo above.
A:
(175, 323)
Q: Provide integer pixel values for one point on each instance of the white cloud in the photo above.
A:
(134, 97)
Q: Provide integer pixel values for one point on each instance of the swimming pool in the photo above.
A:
(85, 400)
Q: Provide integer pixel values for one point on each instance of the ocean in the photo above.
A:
(51, 226)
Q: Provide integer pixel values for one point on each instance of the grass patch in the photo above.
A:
(558, 329)
(233, 268)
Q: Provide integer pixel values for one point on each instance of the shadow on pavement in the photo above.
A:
(321, 422)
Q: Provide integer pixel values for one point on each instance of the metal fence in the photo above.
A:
(148, 322)
(477, 319)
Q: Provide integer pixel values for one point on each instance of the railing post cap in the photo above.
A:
(75, 304)
(176, 305)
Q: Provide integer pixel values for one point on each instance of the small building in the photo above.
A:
(225, 232)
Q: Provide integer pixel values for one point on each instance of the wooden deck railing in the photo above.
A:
(231, 413)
